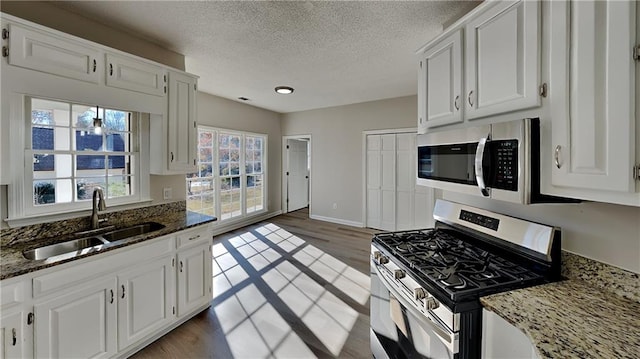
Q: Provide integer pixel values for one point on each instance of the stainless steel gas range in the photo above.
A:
(426, 284)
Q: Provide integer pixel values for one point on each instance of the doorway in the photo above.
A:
(296, 176)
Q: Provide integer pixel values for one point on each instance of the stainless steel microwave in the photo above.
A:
(499, 161)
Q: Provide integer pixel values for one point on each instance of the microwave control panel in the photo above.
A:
(505, 170)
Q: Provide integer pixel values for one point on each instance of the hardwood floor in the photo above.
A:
(289, 287)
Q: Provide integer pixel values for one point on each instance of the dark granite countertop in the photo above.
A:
(592, 314)
(14, 264)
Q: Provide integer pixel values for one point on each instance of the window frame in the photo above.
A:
(217, 178)
(23, 210)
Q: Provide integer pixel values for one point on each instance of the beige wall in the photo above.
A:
(227, 114)
(336, 152)
(47, 14)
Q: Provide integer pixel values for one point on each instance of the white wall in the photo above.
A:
(336, 153)
(605, 232)
(223, 113)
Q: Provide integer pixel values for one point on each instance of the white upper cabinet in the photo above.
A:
(182, 121)
(440, 83)
(136, 75)
(502, 59)
(53, 54)
(486, 64)
(592, 98)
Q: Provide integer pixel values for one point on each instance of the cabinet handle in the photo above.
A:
(110, 69)
(111, 301)
(469, 98)
(122, 291)
(194, 237)
(14, 339)
(95, 65)
(29, 318)
(456, 103)
(171, 156)
(181, 265)
(421, 120)
(557, 156)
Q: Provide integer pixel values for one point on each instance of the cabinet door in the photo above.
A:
(194, 278)
(182, 122)
(53, 54)
(440, 82)
(502, 59)
(16, 335)
(132, 74)
(592, 99)
(81, 324)
(145, 300)
(502, 340)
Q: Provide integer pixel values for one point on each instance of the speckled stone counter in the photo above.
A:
(594, 313)
(173, 216)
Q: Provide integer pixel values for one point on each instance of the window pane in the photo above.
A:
(83, 116)
(118, 164)
(234, 142)
(234, 168)
(44, 192)
(88, 141)
(90, 163)
(205, 154)
(119, 186)
(43, 162)
(116, 120)
(85, 187)
(117, 142)
(46, 112)
(42, 138)
(224, 169)
(206, 139)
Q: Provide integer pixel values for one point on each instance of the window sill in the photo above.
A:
(43, 218)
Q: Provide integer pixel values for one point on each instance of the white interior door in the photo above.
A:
(298, 174)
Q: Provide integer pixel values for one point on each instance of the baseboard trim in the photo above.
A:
(337, 220)
(228, 227)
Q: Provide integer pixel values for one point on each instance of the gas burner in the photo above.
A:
(454, 282)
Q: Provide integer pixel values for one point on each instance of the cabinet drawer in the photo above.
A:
(73, 273)
(12, 292)
(131, 74)
(193, 236)
(53, 54)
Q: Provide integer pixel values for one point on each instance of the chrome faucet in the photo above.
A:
(99, 206)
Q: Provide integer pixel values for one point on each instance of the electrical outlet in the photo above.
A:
(166, 193)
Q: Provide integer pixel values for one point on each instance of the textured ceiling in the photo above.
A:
(332, 52)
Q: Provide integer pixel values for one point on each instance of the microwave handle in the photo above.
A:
(478, 166)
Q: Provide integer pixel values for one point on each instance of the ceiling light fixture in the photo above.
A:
(97, 123)
(284, 90)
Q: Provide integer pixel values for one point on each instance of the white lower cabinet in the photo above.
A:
(194, 271)
(500, 339)
(109, 305)
(78, 324)
(145, 300)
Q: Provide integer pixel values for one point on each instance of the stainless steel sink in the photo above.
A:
(80, 246)
(75, 245)
(132, 231)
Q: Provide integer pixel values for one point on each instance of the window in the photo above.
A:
(67, 159)
(230, 178)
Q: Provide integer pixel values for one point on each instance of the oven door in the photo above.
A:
(399, 331)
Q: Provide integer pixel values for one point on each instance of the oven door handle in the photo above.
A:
(478, 166)
(445, 335)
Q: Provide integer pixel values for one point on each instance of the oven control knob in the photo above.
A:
(399, 274)
(383, 259)
(376, 255)
(432, 304)
(420, 293)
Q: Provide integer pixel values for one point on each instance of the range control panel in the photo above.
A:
(484, 221)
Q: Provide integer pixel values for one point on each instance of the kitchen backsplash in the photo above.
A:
(60, 228)
(612, 279)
